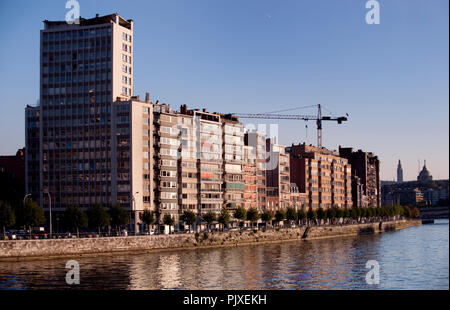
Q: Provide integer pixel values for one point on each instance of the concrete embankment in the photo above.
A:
(20, 249)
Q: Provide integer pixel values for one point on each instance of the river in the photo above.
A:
(412, 258)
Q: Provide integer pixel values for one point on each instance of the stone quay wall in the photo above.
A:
(48, 248)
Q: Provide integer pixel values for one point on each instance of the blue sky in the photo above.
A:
(260, 56)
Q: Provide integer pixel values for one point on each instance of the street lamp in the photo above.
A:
(25, 198)
(50, 212)
(135, 214)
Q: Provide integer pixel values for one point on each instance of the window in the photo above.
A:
(124, 57)
(124, 47)
(124, 90)
(124, 36)
(124, 79)
(124, 69)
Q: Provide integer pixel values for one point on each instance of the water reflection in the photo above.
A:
(414, 258)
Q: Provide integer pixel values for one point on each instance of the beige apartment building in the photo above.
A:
(322, 175)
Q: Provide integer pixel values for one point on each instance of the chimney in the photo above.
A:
(204, 110)
(96, 15)
(147, 97)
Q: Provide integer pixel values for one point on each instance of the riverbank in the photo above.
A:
(31, 249)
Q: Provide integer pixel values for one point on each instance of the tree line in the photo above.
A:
(30, 215)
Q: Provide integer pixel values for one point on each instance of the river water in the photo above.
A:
(412, 258)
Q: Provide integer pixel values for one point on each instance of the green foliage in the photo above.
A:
(331, 213)
(252, 215)
(168, 219)
(147, 217)
(347, 213)
(321, 214)
(267, 216)
(312, 214)
(189, 218)
(224, 217)
(97, 216)
(7, 217)
(119, 216)
(29, 215)
(280, 215)
(291, 215)
(75, 218)
(240, 214)
(301, 214)
(340, 212)
(209, 218)
(354, 213)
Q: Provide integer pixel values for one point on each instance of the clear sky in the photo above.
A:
(261, 56)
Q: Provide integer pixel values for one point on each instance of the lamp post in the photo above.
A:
(25, 198)
(50, 212)
(135, 214)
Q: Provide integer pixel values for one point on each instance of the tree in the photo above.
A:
(291, 215)
(189, 218)
(321, 214)
(267, 216)
(347, 213)
(224, 217)
(169, 220)
(7, 217)
(74, 218)
(209, 217)
(252, 215)
(98, 217)
(340, 213)
(119, 216)
(312, 214)
(331, 214)
(354, 213)
(302, 215)
(148, 218)
(240, 214)
(280, 216)
(30, 215)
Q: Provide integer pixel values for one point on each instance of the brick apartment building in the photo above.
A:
(322, 175)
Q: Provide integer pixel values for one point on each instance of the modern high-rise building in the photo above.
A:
(84, 68)
(322, 174)
(366, 185)
(399, 172)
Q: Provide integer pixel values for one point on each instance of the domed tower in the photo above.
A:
(424, 175)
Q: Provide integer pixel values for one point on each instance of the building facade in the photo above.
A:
(322, 175)
(366, 185)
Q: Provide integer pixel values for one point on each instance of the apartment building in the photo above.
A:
(132, 152)
(83, 68)
(166, 154)
(233, 162)
(250, 187)
(322, 175)
(258, 142)
(277, 174)
(366, 172)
